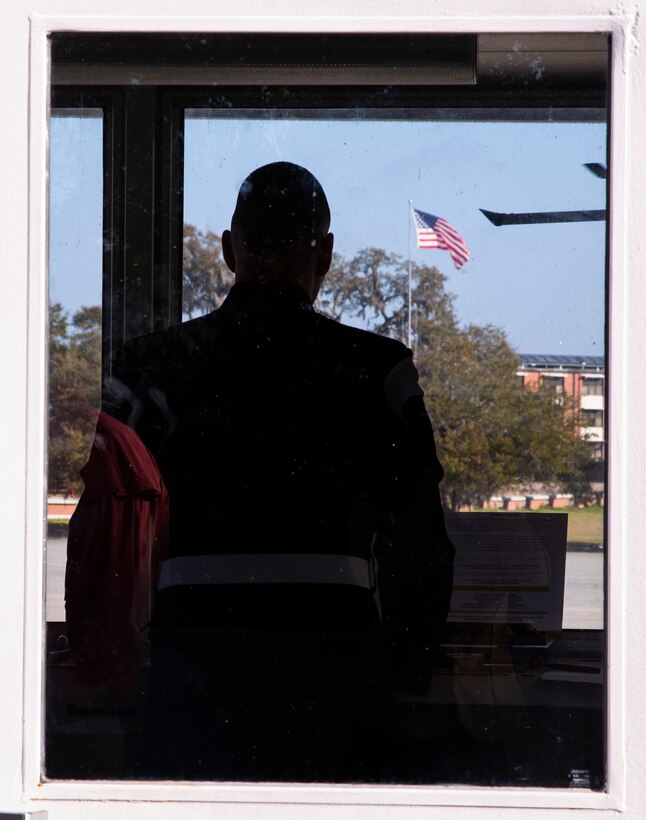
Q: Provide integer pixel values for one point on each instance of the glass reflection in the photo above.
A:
(230, 436)
(490, 315)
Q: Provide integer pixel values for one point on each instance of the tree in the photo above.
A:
(74, 393)
(205, 277)
(491, 433)
(75, 358)
(370, 289)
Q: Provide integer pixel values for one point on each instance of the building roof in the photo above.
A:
(546, 361)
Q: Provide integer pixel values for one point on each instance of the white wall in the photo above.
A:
(22, 346)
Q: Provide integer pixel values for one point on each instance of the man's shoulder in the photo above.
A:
(356, 342)
(172, 343)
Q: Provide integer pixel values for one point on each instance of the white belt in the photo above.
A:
(266, 569)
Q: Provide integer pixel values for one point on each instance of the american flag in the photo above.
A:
(435, 232)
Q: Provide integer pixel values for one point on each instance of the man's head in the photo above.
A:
(280, 228)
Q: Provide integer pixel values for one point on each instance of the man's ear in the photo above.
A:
(227, 251)
(325, 255)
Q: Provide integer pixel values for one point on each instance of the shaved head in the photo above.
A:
(281, 206)
(280, 228)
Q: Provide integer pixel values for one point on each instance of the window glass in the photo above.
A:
(554, 383)
(592, 387)
(260, 582)
(75, 277)
(592, 418)
(75, 318)
(479, 160)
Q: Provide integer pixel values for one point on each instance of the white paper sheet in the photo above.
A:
(509, 568)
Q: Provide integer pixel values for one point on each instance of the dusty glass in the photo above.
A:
(467, 201)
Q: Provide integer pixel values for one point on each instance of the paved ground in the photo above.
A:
(55, 595)
(583, 607)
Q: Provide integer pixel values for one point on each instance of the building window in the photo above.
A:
(596, 450)
(592, 418)
(592, 386)
(554, 383)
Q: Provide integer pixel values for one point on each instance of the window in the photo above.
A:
(23, 358)
(596, 451)
(174, 148)
(553, 383)
(592, 386)
(592, 418)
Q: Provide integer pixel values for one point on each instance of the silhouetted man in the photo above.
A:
(309, 569)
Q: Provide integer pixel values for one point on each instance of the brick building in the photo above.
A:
(579, 378)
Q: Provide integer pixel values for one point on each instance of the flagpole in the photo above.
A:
(410, 275)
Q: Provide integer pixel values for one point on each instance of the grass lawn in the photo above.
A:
(585, 524)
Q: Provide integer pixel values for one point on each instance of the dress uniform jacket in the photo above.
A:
(296, 452)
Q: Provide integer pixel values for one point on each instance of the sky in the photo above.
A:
(542, 284)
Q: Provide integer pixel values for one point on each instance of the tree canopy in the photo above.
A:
(205, 277)
(492, 434)
(74, 393)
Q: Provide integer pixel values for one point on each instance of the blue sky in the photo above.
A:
(543, 284)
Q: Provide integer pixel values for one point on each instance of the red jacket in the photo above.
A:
(117, 539)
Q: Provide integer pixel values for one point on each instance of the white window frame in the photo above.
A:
(23, 345)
